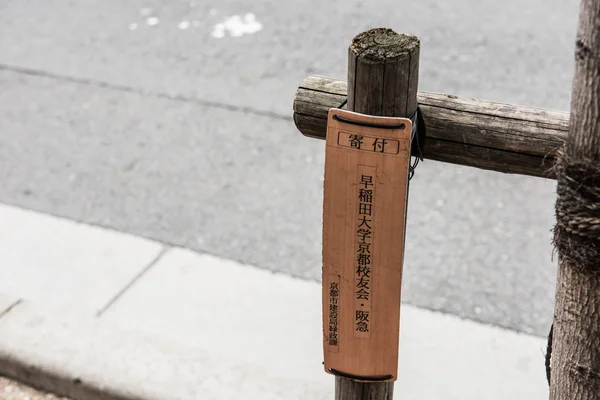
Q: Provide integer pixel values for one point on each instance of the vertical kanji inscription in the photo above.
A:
(334, 297)
(365, 210)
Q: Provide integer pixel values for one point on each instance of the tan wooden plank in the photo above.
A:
(365, 192)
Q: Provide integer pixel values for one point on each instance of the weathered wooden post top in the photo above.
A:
(373, 124)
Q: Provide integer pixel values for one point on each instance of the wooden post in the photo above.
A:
(383, 72)
(575, 358)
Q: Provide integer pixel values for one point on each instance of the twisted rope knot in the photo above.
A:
(577, 230)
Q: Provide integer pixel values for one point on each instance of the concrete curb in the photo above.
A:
(57, 382)
(53, 380)
(92, 359)
(183, 326)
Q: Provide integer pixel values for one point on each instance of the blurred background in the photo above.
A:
(152, 118)
(171, 120)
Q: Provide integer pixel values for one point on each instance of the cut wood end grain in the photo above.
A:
(381, 44)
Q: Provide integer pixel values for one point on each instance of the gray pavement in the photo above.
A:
(177, 136)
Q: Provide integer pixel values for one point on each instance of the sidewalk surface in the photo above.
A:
(91, 314)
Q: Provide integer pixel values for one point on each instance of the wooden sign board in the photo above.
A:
(364, 207)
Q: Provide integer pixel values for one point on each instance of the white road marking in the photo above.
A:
(152, 21)
(236, 26)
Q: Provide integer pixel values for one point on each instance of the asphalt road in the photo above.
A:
(169, 132)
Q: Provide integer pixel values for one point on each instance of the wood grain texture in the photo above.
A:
(478, 133)
(346, 389)
(575, 360)
(383, 70)
(364, 192)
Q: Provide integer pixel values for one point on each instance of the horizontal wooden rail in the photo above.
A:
(477, 133)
